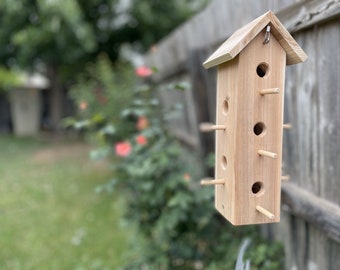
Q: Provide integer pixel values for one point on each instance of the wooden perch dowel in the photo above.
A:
(207, 127)
(218, 127)
(269, 91)
(285, 177)
(267, 154)
(287, 126)
(265, 212)
(206, 182)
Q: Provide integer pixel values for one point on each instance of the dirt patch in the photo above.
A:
(57, 152)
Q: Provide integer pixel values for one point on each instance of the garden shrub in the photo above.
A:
(156, 174)
(101, 93)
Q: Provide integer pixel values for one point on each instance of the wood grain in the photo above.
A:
(319, 212)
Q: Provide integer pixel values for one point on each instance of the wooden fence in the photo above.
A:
(310, 220)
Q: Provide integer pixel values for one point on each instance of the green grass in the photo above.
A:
(50, 215)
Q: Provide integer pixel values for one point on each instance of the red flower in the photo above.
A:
(141, 140)
(142, 123)
(143, 71)
(123, 149)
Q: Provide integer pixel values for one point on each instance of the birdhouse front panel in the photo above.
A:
(259, 131)
(253, 121)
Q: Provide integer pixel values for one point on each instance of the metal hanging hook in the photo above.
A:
(267, 35)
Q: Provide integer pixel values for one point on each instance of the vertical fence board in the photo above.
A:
(301, 142)
(204, 96)
(333, 258)
(328, 72)
(184, 123)
(312, 146)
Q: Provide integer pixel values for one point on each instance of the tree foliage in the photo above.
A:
(51, 32)
(154, 19)
(8, 79)
(71, 33)
(59, 37)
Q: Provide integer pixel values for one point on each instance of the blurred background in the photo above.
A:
(101, 156)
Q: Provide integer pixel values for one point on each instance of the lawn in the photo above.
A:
(50, 215)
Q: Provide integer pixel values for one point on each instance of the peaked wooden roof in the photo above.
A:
(242, 37)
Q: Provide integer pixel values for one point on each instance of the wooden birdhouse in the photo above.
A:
(249, 115)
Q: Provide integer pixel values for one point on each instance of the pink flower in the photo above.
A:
(123, 149)
(141, 140)
(142, 123)
(187, 177)
(83, 105)
(143, 71)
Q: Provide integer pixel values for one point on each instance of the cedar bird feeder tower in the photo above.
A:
(249, 119)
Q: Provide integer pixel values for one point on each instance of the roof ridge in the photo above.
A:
(243, 36)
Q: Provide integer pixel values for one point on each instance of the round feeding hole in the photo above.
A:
(259, 128)
(262, 70)
(224, 162)
(257, 188)
(225, 106)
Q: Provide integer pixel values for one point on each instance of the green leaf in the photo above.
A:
(109, 129)
(81, 124)
(97, 118)
(182, 86)
(100, 153)
(108, 187)
(8, 79)
(69, 122)
(180, 200)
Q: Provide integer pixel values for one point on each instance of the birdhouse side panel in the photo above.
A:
(258, 135)
(226, 112)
